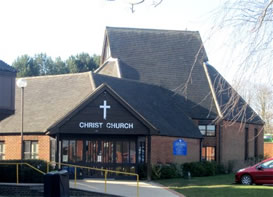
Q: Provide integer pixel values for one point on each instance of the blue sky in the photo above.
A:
(68, 27)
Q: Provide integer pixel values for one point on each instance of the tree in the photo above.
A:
(81, 63)
(133, 3)
(260, 98)
(60, 66)
(45, 64)
(41, 64)
(264, 106)
(25, 66)
(249, 24)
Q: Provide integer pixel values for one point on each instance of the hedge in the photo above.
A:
(26, 174)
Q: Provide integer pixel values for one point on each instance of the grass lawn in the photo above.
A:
(216, 186)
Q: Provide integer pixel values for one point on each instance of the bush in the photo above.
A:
(26, 173)
(203, 168)
(166, 171)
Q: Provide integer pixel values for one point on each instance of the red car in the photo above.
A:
(260, 173)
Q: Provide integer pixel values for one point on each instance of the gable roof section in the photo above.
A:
(6, 68)
(99, 90)
(158, 105)
(232, 105)
(170, 59)
(110, 68)
(47, 98)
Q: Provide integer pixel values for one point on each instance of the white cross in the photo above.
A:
(104, 107)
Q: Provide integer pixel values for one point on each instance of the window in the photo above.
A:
(208, 153)
(72, 150)
(52, 149)
(267, 164)
(31, 150)
(207, 130)
(246, 143)
(2, 150)
(141, 150)
(256, 143)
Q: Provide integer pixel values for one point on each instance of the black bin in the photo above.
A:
(56, 184)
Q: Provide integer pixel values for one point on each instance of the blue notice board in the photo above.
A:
(179, 147)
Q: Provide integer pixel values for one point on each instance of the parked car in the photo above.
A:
(260, 173)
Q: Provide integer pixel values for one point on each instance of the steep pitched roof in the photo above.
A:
(5, 67)
(232, 105)
(170, 59)
(175, 60)
(46, 99)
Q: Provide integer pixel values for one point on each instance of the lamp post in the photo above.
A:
(22, 83)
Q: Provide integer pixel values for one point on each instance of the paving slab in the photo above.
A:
(125, 188)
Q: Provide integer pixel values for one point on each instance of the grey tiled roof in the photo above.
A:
(5, 67)
(174, 60)
(156, 104)
(232, 105)
(47, 99)
(168, 59)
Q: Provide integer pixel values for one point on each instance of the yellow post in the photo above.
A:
(75, 174)
(137, 185)
(105, 181)
(17, 173)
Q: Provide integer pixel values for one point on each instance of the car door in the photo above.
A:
(265, 174)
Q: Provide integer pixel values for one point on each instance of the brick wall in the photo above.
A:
(232, 148)
(13, 146)
(162, 150)
(268, 149)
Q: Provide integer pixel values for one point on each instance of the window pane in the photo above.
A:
(2, 150)
(27, 146)
(79, 150)
(72, 151)
(34, 150)
(210, 130)
(210, 153)
(141, 152)
(118, 152)
(125, 152)
(65, 151)
(202, 129)
(132, 152)
(52, 149)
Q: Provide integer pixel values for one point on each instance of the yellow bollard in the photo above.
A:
(105, 181)
(17, 173)
(75, 174)
(137, 185)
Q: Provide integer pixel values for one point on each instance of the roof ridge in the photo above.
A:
(51, 76)
(150, 29)
(127, 79)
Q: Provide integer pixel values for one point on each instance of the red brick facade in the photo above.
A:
(268, 149)
(232, 143)
(162, 150)
(13, 145)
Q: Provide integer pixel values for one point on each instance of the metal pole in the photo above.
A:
(22, 123)
(17, 174)
(105, 181)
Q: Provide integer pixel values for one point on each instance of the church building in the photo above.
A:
(154, 99)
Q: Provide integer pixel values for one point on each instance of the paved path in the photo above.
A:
(125, 188)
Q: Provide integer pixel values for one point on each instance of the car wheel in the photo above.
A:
(246, 179)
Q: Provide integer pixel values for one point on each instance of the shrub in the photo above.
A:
(26, 174)
(203, 168)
